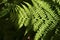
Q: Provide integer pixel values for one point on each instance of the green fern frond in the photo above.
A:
(38, 17)
(22, 17)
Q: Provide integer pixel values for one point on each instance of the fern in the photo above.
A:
(41, 17)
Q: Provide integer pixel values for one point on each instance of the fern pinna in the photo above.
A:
(41, 17)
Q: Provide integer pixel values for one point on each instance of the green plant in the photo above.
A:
(38, 20)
